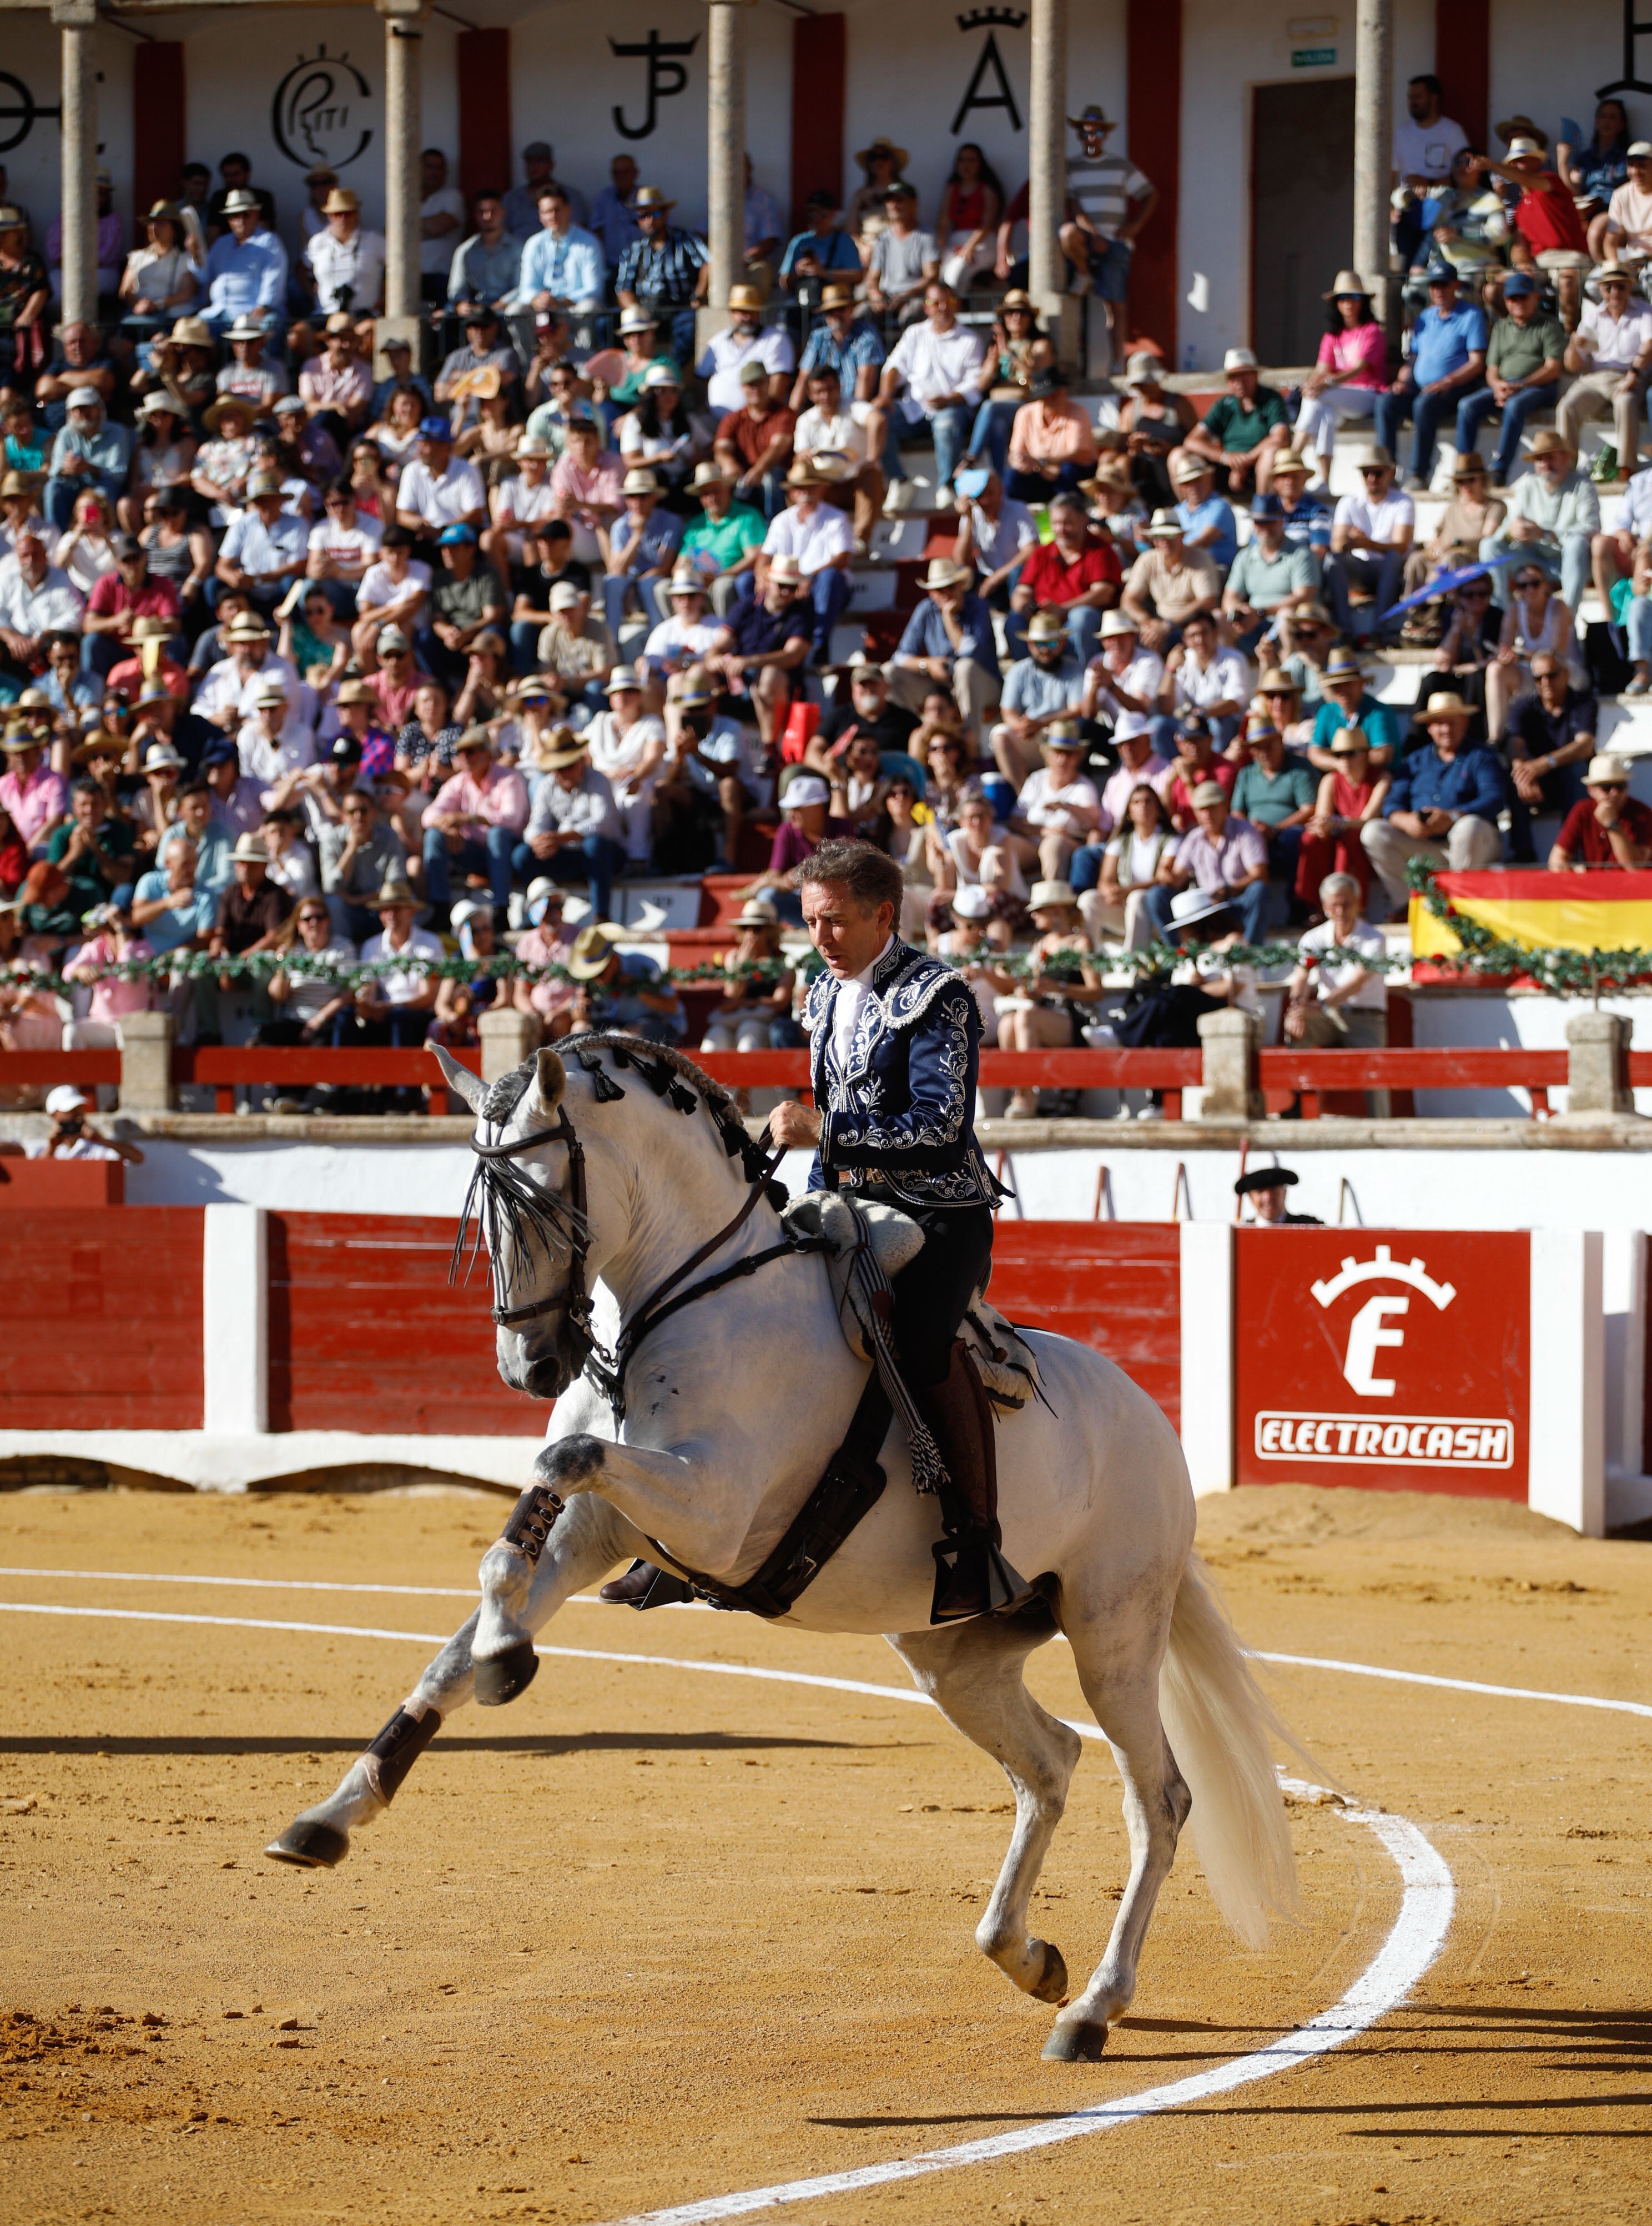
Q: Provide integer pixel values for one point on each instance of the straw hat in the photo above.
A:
(1348, 282)
(622, 677)
(708, 474)
(746, 297)
(249, 851)
(340, 202)
(191, 332)
(1349, 741)
(1051, 896)
(393, 893)
(1548, 442)
(1277, 681)
(593, 948)
(1165, 526)
(153, 629)
(212, 418)
(641, 481)
(896, 156)
(1605, 767)
(1444, 706)
(943, 572)
(560, 746)
(18, 483)
(1208, 792)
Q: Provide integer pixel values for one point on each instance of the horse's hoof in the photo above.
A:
(500, 1677)
(311, 1844)
(1079, 2042)
(1053, 1980)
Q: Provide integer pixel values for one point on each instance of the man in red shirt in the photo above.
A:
(1072, 570)
(119, 599)
(1609, 828)
(1551, 235)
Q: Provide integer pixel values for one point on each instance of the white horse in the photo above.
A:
(734, 1405)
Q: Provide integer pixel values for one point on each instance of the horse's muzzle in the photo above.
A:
(541, 1374)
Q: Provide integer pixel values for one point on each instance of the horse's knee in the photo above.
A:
(568, 1464)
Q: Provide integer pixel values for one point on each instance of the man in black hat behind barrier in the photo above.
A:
(1267, 1189)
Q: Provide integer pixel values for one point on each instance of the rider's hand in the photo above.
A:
(794, 1124)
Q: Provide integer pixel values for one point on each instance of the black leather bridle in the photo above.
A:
(607, 1371)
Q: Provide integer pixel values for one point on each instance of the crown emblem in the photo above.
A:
(980, 19)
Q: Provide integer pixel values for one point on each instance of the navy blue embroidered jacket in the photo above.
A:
(901, 1107)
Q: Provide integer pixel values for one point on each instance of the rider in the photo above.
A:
(896, 1037)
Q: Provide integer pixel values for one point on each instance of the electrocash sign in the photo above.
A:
(1399, 1359)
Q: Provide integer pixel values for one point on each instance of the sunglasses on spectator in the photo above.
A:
(355, 811)
(312, 919)
(1372, 471)
(1609, 787)
(391, 656)
(1530, 580)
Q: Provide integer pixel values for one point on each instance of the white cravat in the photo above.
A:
(850, 998)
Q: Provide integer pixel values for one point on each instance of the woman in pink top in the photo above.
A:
(111, 995)
(1352, 369)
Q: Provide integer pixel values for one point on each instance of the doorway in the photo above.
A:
(1302, 211)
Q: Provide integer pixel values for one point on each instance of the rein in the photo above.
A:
(608, 1371)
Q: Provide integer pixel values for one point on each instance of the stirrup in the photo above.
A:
(972, 1578)
(644, 1585)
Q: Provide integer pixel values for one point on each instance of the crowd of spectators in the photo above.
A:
(305, 654)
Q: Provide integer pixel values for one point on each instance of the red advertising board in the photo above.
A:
(1398, 1359)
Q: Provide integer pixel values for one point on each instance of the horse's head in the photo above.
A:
(529, 1195)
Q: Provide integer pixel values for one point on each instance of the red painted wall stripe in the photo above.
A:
(1153, 133)
(1463, 63)
(159, 118)
(483, 70)
(1114, 1285)
(819, 66)
(103, 1319)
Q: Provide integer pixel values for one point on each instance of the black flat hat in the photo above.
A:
(1263, 1178)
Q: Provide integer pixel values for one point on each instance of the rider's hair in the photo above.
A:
(871, 876)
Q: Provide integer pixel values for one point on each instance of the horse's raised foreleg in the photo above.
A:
(1120, 1677)
(973, 1672)
(588, 1539)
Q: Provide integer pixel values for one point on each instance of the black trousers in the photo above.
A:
(932, 1293)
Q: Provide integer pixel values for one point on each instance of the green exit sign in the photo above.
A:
(1313, 57)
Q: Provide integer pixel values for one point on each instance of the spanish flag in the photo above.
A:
(1608, 910)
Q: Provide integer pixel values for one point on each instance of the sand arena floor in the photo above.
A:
(654, 1935)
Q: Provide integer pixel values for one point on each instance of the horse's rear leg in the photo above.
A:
(1120, 1680)
(583, 1548)
(973, 1672)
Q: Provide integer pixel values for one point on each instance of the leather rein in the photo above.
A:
(607, 1371)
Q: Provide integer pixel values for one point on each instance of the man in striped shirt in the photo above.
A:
(668, 269)
(1108, 201)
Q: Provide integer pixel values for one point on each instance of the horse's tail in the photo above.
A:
(1219, 1722)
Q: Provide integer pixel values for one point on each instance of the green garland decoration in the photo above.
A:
(1483, 957)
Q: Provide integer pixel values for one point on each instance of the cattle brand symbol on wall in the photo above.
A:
(315, 116)
(989, 66)
(18, 112)
(668, 75)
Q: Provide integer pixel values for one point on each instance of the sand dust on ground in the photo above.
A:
(650, 1936)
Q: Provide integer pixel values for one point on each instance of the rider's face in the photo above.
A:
(848, 934)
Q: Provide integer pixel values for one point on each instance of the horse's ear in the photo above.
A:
(551, 1078)
(460, 1080)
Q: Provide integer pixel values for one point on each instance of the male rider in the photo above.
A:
(896, 1037)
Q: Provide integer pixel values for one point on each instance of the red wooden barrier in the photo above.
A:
(60, 1182)
(103, 1319)
(1313, 1072)
(34, 1070)
(366, 1333)
(1114, 1285)
(301, 1066)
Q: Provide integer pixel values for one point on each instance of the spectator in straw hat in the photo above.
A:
(765, 638)
(1607, 827)
(1169, 584)
(1610, 355)
(246, 267)
(753, 443)
(745, 340)
(948, 639)
(1244, 431)
(474, 822)
(1370, 536)
(666, 269)
(253, 909)
(1225, 858)
(347, 261)
(831, 437)
(1350, 373)
(1045, 685)
(821, 538)
(395, 1007)
(1443, 806)
(724, 542)
(574, 831)
(1553, 517)
(843, 341)
(642, 547)
(1059, 807)
(1349, 798)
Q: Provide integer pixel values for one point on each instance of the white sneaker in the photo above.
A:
(899, 499)
(1151, 1113)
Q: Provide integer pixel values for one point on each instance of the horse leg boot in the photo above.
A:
(971, 1576)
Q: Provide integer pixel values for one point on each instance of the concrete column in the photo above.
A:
(725, 153)
(508, 1038)
(1597, 1074)
(77, 24)
(1046, 152)
(403, 133)
(1207, 1354)
(146, 1063)
(235, 1321)
(1230, 1042)
(1567, 1451)
(1373, 149)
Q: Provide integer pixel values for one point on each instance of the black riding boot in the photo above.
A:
(644, 1586)
(971, 1576)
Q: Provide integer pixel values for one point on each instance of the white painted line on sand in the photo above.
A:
(589, 1600)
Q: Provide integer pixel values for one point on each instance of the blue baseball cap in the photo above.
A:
(452, 535)
(435, 428)
(1518, 282)
(1266, 506)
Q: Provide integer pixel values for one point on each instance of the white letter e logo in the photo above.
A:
(1366, 1335)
